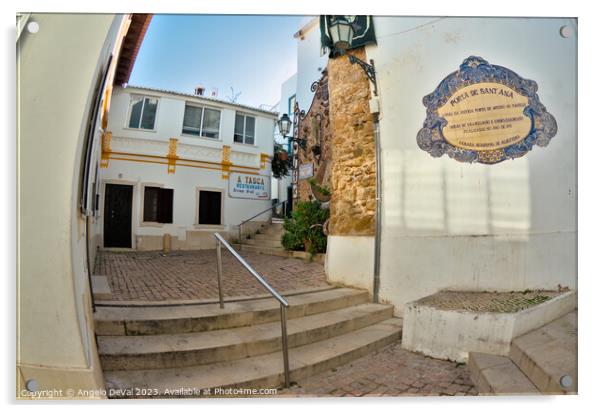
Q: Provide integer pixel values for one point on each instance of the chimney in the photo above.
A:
(199, 90)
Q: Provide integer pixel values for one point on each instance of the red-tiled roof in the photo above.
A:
(131, 46)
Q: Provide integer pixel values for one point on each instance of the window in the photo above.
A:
(244, 129)
(143, 111)
(291, 105)
(210, 208)
(158, 205)
(199, 121)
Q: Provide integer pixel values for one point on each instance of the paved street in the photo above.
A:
(391, 371)
(189, 275)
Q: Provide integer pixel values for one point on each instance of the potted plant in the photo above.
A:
(321, 193)
(316, 150)
(304, 230)
(281, 163)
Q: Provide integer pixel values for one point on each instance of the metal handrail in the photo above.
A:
(283, 303)
(255, 216)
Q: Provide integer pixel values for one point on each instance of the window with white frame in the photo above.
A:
(244, 129)
(201, 121)
(143, 112)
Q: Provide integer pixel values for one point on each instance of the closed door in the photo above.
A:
(118, 216)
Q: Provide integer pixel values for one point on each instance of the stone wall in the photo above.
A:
(353, 202)
(315, 128)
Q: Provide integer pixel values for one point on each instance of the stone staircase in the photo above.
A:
(204, 347)
(536, 363)
(266, 241)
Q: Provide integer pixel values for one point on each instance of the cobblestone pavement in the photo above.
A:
(190, 275)
(390, 371)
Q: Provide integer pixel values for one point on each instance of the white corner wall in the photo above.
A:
(57, 69)
(451, 225)
(350, 261)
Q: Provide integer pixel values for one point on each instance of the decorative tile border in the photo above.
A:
(475, 70)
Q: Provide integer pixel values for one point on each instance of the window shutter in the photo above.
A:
(166, 206)
(151, 197)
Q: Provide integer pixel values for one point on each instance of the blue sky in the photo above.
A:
(252, 54)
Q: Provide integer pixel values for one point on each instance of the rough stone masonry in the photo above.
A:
(353, 202)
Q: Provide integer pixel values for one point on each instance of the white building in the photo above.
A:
(185, 165)
(452, 225)
(297, 88)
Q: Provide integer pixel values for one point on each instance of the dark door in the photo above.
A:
(289, 201)
(118, 216)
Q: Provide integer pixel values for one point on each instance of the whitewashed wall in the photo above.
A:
(56, 345)
(310, 64)
(446, 224)
(170, 114)
(186, 181)
(288, 89)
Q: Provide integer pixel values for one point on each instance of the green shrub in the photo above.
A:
(305, 226)
(292, 241)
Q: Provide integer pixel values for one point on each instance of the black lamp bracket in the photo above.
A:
(368, 68)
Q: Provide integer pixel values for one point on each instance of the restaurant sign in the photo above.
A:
(484, 113)
(249, 186)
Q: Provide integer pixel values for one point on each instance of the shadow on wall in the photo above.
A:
(448, 198)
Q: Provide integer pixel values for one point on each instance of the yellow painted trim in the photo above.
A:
(106, 149)
(180, 162)
(172, 155)
(220, 164)
(264, 160)
(226, 163)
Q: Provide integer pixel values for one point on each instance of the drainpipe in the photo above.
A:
(375, 110)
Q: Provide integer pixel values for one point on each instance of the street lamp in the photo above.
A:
(284, 125)
(341, 33)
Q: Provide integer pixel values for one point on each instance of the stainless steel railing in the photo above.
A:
(272, 208)
(283, 303)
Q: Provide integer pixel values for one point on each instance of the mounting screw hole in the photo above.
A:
(566, 31)
(31, 385)
(33, 27)
(566, 381)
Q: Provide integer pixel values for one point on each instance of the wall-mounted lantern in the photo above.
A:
(341, 32)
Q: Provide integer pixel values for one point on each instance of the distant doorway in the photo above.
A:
(118, 216)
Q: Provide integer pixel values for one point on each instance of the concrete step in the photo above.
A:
(498, 375)
(257, 249)
(182, 350)
(261, 242)
(265, 371)
(549, 353)
(101, 288)
(268, 237)
(111, 321)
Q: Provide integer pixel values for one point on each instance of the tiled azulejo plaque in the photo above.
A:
(484, 113)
